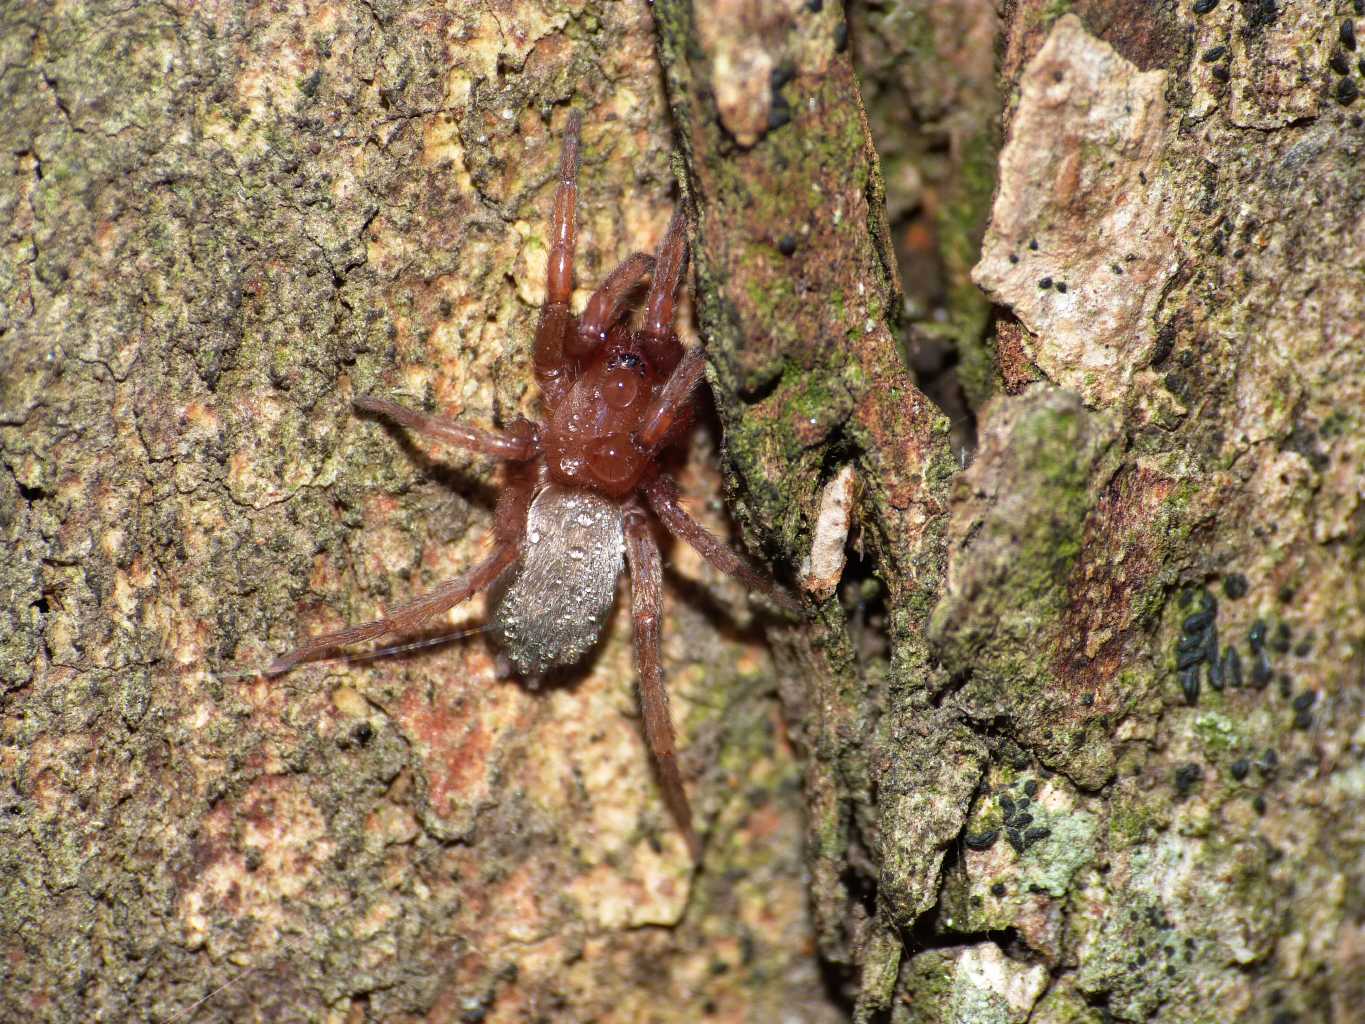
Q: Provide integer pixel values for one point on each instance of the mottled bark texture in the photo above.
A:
(223, 221)
(796, 295)
(1089, 748)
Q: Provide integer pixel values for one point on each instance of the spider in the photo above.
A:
(580, 484)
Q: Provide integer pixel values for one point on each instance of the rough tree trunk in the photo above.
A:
(225, 221)
(1022, 810)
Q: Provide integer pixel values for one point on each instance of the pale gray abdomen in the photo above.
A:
(563, 588)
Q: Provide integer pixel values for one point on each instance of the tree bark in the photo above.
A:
(1131, 461)
(225, 222)
(1021, 809)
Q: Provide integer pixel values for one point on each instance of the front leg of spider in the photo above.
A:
(574, 510)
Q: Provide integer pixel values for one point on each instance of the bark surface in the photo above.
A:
(1078, 703)
(223, 223)
(1090, 747)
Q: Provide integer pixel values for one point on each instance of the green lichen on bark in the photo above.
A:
(1209, 474)
(788, 197)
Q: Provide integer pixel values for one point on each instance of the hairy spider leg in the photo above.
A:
(646, 600)
(509, 524)
(670, 263)
(556, 321)
(521, 444)
(673, 405)
(662, 493)
(656, 333)
(608, 304)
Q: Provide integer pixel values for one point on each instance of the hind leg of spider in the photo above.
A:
(509, 524)
(517, 445)
(662, 493)
(646, 598)
(447, 595)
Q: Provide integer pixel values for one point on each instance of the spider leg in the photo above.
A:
(608, 303)
(517, 447)
(559, 272)
(673, 406)
(656, 332)
(662, 493)
(509, 525)
(669, 265)
(447, 595)
(556, 321)
(646, 597)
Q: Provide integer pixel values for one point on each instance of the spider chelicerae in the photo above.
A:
(580, 484)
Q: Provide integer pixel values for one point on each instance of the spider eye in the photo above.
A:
(620, 387)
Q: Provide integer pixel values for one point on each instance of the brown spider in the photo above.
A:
(614, 398)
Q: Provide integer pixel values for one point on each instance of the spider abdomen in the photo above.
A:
(561, 591)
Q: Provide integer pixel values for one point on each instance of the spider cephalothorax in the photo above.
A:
(573, 511)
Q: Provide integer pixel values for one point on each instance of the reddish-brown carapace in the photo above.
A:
(580, 483)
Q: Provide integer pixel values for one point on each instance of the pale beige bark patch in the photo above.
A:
(1079, 246)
